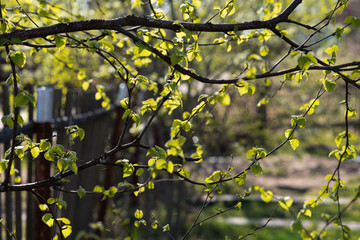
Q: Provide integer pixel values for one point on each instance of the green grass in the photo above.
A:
(221, 230)
(259, 209)
(217, 228)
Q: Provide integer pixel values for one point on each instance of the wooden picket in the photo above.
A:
(80, 108)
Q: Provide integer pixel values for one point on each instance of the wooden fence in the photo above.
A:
(19, 209)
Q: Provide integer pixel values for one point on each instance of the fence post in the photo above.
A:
(9, 195)
(30, 173)
(118, 126)
(43, 130)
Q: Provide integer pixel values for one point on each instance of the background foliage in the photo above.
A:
(202, 78)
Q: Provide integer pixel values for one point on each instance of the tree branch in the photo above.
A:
(130, 21)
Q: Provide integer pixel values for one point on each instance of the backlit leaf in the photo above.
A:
(60, 42)
(170, 167)
(175, 59)
(304, 63)
(98, 189)
(35, 151)
(307, 213)
(266, 196)
(21, 99)
(48, 219)
(329, 86)
(44, 145)
(286, 203)
(66, 231)
(138, 214)
(81, 192)
(256, 169)
(19, 58)
(294, 143)
(264, 50)
(226, 100)
(166, 228)
(128, 170)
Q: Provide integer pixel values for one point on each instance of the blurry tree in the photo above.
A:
(188, 60)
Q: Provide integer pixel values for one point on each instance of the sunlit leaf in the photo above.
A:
(304, 63)
(329, 86)
(138, 214)
(294, 143)
(266, 196)
(166, 228)
(48, 219)
(60, 42)
(19, 58)
(286, 203)
(35, 151)
(128, 170)
(66, 231)
(308, 213)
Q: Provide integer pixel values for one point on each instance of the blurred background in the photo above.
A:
(224, 131)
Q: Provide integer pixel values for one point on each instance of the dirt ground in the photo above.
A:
(293, 175)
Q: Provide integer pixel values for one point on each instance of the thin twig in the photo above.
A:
(51, 211)
(260, 227)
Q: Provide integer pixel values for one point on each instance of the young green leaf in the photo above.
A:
(225, 99)
(44, 145)
(138, 214)
(19, 58)
(286, 203)
(175, 59)
(48, 219)
(128, 170)
(81, 192)
(3, 165)
(21, 99)
(238, 205)
(66, 230)
(139, 172)
(17, 180)
(166, 228)
(161, 164)
(355, 21)
(329, 86)
(256, 169)
(304, 63)
(264, 50)
(294, 143)
(60, 42)
(98, 189)
(154, 225)
(35, 151)
(266, 196)
(241, 180)
(72, 165)
(8, 120)
(308, 213)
